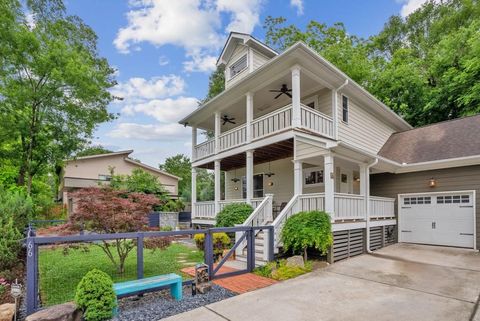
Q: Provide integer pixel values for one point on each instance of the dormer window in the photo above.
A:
(238, 66)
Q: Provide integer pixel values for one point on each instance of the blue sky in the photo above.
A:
(164, 51)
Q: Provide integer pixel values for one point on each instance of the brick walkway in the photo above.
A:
(239, 283)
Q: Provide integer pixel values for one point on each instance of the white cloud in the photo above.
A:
(409, 6)
(137, 88)
(244, 14)
(166, 110)
(195, 25)
(163, 133)
(163, 61)
(297, 4)
(186, 23)
(200, 62)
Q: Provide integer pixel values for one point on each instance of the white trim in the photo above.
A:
(151, 168)
(439, 164)
(123, 152)
(474, 203)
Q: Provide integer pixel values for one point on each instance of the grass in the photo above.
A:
(60, 273)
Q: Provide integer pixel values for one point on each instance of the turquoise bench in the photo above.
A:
(140, 286)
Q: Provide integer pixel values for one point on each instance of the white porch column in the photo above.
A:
(297, 177)
(249, 176)
(296, 117)
(194, 142)
(193, 196)
(329, 180)
(217, 186)
(249, 116)
(217, 131)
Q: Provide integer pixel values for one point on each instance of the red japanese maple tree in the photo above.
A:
(105, 210)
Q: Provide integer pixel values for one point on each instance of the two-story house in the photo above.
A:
(294, 133)
(91, 171)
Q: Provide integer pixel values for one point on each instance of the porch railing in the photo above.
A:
(204, 149)
(273, 122)
(206, 210)
(233, 138)
(382, 207)
(349, 207)
(315, 121)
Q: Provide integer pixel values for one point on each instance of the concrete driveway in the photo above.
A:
(399, 282)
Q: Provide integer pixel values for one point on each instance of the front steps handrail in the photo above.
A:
(282, 218)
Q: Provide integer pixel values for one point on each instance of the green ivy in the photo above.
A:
(307, 229)
(95, 296)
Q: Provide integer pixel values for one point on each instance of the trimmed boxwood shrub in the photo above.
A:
(235, 213)
(95, 296)
(307, 229)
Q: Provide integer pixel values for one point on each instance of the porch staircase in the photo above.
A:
(260, 255)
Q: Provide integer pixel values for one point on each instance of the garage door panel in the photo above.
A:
(438, 218)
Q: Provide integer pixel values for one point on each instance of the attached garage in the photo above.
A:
(444, 218)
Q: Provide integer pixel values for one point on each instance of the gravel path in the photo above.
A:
(158, 305)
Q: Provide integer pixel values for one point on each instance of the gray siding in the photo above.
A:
(451, 179)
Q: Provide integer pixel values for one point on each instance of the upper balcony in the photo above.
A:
(272, 123)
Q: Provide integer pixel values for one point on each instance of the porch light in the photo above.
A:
(432, 182)
(270, 183)
(235, 179)
(269, 173)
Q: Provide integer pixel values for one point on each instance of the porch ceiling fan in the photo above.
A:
(227, 119)
(282, 91)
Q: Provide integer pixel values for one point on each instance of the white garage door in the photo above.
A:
(438, 218)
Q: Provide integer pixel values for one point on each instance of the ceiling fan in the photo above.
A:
(283, 90)
(227, 119)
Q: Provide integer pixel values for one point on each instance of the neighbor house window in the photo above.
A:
(104, 177)
(238, 66)
(345, 109)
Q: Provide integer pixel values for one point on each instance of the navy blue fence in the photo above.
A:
(34, 244)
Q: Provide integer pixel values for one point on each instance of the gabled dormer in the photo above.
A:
(241, 55)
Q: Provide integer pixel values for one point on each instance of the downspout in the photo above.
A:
(335, 108)
(367, 206)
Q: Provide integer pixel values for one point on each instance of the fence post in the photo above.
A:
(140, 256)
(271, 243)
(32, 275)
(250, 249)
(208, 248)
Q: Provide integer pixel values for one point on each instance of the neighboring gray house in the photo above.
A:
(294, 133)
(90, 171)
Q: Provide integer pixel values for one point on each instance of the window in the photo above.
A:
(453, 199)
(345, 109)
(312, 177)
(417, 200)
(257, 186)
(238, 66)
(104, 177)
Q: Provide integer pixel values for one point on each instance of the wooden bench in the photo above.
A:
(140, 286)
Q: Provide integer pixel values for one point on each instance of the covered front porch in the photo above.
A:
(290, 181)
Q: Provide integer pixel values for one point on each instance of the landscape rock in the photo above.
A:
(61, 312)
(296, 260)
(7, 311)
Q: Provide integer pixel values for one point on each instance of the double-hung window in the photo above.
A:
(345, 109)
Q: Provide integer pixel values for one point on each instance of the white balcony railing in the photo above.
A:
(382, 207)
(233, 138)
(273, 122)
(315, 121)
(266, 125)
(206, 210)
(349, 206)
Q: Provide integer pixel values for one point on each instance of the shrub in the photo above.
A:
(17, 205)
(232, 214)
(157, 243)
(221, 242)
(173, 206)
(280, 271)
(95, 296)
(9, 242)
(307, 229)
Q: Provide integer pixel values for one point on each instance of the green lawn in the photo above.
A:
(60, 274)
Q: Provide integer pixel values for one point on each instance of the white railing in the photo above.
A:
(233, 138)
(273, 122)
(311, 202)
(349, 206)
(382, 207)
(204, 149)
(316, 121)
(205, 210)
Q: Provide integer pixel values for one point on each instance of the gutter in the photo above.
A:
(367, 206)
(335, 109)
